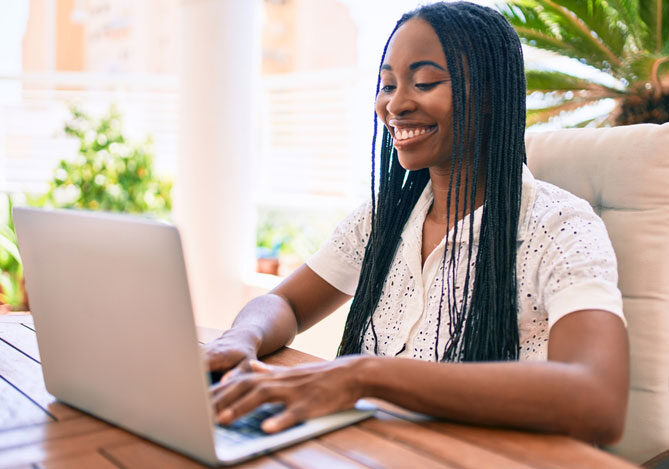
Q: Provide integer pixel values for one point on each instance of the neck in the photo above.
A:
(440, 185)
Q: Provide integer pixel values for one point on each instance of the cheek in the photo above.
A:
(380, 107)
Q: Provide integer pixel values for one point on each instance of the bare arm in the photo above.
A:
(580, 391)
(271, 321)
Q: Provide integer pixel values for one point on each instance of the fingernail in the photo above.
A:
(269, 425)
(225, 416)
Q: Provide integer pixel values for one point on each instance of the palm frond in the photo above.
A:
(537, 116)
(559, 24)
(628, 11)
(601, 20)
(548, 80)
(534, 31)
(641, 65)
(655, 17)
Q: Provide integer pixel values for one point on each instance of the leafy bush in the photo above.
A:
(12, 289)
(108, 172)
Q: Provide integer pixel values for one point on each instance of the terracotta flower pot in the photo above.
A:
(267, 265)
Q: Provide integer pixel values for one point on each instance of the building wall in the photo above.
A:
(69, 38)
(37, 40)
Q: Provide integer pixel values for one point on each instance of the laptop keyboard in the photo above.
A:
(247, 427)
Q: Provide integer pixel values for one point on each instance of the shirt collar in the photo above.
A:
(414, 227)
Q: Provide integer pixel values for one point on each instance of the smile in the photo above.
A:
(406, 136)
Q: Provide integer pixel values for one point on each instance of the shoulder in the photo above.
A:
(552, 201)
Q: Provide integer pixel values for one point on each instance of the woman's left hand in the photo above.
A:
(307, 391)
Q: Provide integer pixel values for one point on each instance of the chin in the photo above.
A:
(410, 164)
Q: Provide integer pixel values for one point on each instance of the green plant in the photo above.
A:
(274, 237)
(626, 39)
(109, 173)
(12, 289)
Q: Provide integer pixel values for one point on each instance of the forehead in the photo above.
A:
(414, 40)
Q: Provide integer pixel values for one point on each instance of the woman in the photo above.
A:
(508, 317)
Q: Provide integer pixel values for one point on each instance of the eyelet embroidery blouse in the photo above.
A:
(565, 263)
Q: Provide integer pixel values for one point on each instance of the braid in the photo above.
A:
(485, 61)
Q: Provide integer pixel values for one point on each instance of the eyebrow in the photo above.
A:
(417, 65)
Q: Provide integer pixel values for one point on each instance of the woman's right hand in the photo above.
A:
(232, 352)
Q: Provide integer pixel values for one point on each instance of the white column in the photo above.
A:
(214, 205)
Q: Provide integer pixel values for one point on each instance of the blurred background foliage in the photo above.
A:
(626, 40)
(12, 289)
(293, 235)
(108, 173)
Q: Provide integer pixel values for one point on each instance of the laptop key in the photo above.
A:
(247, 427)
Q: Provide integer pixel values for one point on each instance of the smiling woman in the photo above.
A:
(479, 293)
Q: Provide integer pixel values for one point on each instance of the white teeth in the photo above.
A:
(403, 134)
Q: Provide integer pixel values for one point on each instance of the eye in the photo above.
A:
(427, 86)
(387, 88)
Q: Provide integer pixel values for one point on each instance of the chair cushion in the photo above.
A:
(624, 173)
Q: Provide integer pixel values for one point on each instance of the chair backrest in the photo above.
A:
(624, 173)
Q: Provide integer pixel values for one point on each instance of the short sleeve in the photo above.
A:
(339, 259)
(578, 267)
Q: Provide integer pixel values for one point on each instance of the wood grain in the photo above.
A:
(37, 433)
(549, 451)
(20, 337)
(18, 411)
(90, 460)
(440, 446)
(60, 448)
(314, 454)
(26, 374)
(372, 450)
(289, 357)
(142, 454)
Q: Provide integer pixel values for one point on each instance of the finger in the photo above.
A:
(260, 367)
(286, 419)
(242, 367)
(264, 392)
(224, 395)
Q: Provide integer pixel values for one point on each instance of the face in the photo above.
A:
(415, 100)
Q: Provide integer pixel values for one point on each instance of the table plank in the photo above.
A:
(372, 450)
(49, 431)
(21, 337)
(16, 318)
(314, 454)
(26, 374)
(442, 447)
(60, 448)
(90, 460)
(141, 454)
(549, 451)
(290, 357)
(17, 410)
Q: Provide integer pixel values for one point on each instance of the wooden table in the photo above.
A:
(38, 431)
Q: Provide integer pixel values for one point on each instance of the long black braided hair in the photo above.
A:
(483, 53)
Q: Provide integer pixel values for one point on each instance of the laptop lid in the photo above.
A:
(115, 328)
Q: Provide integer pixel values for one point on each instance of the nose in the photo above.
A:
(400, 102)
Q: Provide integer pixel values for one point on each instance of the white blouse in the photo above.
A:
(565, 263)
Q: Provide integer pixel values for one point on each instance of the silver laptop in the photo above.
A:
(115, 329)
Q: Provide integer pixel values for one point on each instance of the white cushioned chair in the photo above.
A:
(624, 173)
